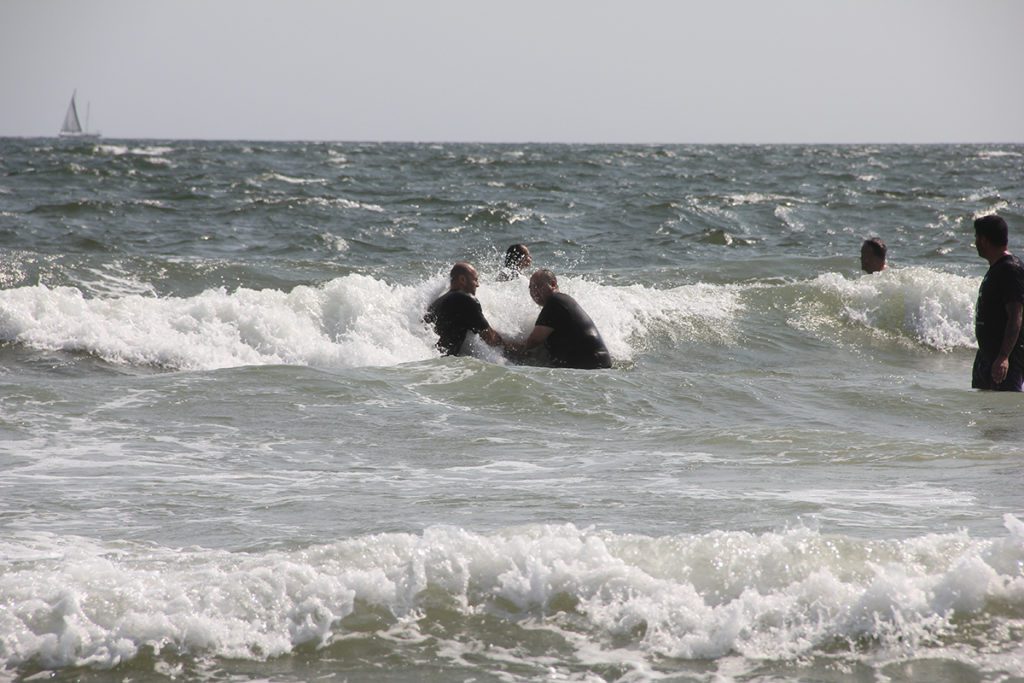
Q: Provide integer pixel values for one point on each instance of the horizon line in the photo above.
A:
(493, 142)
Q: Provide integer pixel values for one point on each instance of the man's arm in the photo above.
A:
(535, 339)
(481, 326)
(491, 337)
(1001, 365)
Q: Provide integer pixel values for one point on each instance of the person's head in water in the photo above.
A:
(872, 255)
(463, 278)
(991, 236)
(517, 257)
(543, 284)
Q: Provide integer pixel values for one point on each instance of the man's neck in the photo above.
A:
(995, 257)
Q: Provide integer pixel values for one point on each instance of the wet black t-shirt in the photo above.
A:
(1003, 284)
(454, 314)
(575, 341)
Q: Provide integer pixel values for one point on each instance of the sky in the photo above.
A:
(635, 71)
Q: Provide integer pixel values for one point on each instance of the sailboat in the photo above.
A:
(71, 127)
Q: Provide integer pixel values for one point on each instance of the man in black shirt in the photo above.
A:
(999, 363)
(457, 312)
(563, 327)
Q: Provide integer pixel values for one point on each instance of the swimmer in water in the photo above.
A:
(872, 255)
(517, 259)
(457, 312)
(563, 327)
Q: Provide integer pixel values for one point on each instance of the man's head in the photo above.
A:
(991, 235)
(543, 284)
(463, 278)
(872, 255)
(518, 257)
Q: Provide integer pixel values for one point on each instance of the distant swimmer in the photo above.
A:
(999, 363)
(517, 259)
(563, 327)
(457, 312)
(872, 255)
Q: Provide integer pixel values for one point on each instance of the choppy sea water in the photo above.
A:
(229, 450)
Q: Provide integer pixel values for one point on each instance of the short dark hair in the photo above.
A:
(877, 246)
(515, 254)
(993, 228)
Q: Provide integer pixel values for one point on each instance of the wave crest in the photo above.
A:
(774, 596)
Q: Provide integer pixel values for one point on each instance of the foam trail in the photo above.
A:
(351, 321)
(930, 307)
(774, 596)
(358, 320)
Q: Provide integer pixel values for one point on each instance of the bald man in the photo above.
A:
(457, 312)
(563, 327)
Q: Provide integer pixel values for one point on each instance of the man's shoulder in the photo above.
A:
(559, 310)
(1008, 268)
(1004, 279)
(557, 302)
(1016, 272)
(1007, 261)
(563, 300)
(454, 297)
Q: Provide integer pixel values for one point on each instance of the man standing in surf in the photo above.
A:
(457, 312)
(563, 327)
(999, 363)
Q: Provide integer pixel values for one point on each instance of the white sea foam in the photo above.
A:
(343, 203)
(997, 153)
(280, 177)
(325, 202)
(121, 150)
(994, 207)
(335, 242)
(739, 199)
(348, 322)
(773, 596)
(351, 321)
(928, 306)
(115, 280)
(786, 215)
(361, 321)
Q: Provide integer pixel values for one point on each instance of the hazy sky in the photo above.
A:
(528, 70)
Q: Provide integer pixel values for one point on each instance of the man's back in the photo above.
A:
(575, 341)
(1004, 282)
(453, 314)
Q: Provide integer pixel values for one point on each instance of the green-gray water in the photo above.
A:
(229, 450)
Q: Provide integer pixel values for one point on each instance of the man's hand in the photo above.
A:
(1000, 368)
(1014, 319)
(491, 337)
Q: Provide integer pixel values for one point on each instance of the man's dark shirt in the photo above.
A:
(1003, 284)
(575, 341)
(454, 314)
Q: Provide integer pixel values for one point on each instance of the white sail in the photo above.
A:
(72, 127)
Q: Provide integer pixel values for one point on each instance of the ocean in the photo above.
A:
(229, 449)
